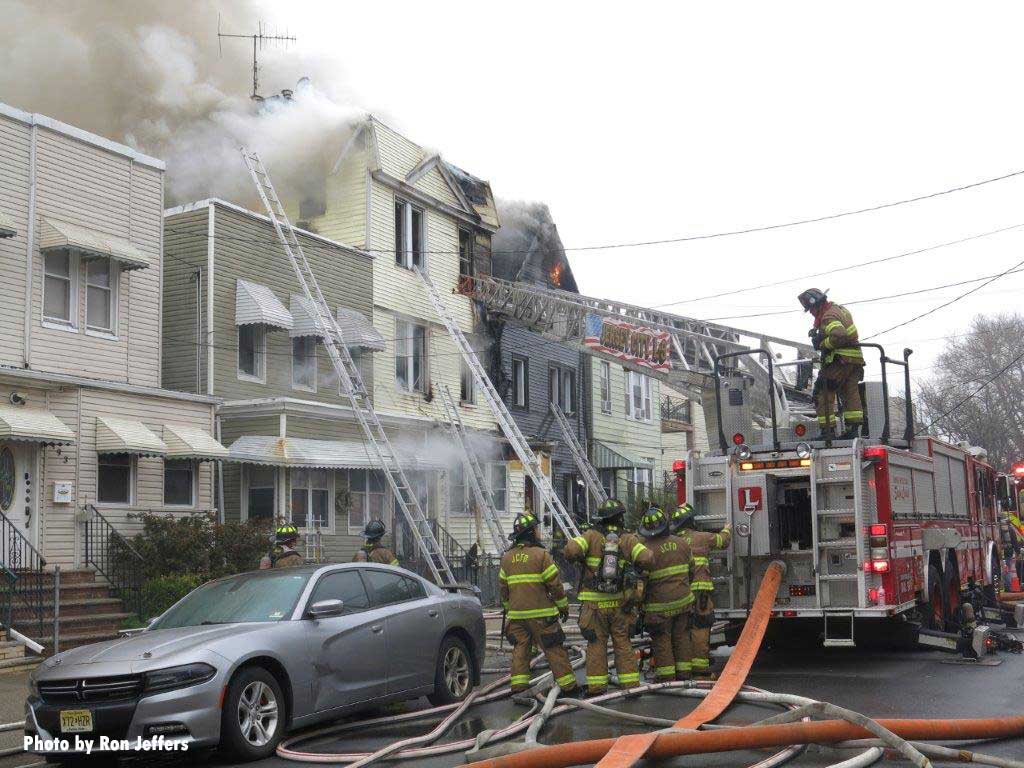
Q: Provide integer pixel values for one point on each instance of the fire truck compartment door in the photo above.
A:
(940, 538)
(751, 501)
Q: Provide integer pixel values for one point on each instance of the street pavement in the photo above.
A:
(882, 684)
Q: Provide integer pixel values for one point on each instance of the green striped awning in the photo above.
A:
(607, 457)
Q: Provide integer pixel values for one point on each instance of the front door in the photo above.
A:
(17, 467)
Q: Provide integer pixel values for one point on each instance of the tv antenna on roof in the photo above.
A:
(259, 40)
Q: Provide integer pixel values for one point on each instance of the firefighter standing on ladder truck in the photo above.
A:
(668, 601)
(373, 551)
(533, 599)
(607, 610)
(834, 335)
(684, 523)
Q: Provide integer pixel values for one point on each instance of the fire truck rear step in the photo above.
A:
(844, 641)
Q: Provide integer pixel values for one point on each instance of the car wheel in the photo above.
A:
(453, 677)
(254, 715)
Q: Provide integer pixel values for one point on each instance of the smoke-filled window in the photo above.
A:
(410, 356)
(408, 235)
(457, 490)
(520, 382)
(252, 341)
(304, 363)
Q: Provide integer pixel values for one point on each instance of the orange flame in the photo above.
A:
(556, 275)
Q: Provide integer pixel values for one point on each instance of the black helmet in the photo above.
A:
(374, 530)
(524, 525)
(684, 517)
(286, 533)
(653, 523)
(609, 510)
(811, 299)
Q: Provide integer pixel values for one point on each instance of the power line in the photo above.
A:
(846, 268)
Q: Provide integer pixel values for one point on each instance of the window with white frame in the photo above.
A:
(606, 386)
(114, 478)
(311, 498)
(410, 356)
(59, 287)
(465, 253)
(179, 483)
(638, 396)
(304, 363)
(497, 476)
(366, 498)
(261, 492)
(457, 497)
(520, 382)
(562, 387)
(100, 295)
(408, 234)
(640, 486)
(467, 390)
(252, 348)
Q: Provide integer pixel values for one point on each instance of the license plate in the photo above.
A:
(75, 720)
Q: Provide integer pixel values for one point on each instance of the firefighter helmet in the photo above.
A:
(374, 530)
(609, 510)
(812, 298)
(683, 517)
(524, 526)
(286, 534)
(653, 523)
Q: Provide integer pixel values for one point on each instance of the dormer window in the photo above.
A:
(408, 234)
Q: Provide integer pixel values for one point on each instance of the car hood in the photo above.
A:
(153, 645)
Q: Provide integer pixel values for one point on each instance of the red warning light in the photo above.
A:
(738, 439)
(1018, 469)
(800, 429)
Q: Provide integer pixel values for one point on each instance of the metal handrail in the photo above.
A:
(123, 570)
(24, 570)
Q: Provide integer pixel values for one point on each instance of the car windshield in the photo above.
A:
(249, 597)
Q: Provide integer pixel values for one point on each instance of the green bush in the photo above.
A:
(161, 593)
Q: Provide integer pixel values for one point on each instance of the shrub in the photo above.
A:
(161, 593)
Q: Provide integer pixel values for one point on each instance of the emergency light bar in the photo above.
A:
(748, 466)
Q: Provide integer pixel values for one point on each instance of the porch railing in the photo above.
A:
(109, 552)
(22, 579)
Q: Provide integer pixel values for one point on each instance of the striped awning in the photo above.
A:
(607, 457)
(303, 313)
(33, 425)
(6, 225)
(187, 442)
(127, 436)
(316, 454)
(256, 304)
(57, 235)
(358, 331)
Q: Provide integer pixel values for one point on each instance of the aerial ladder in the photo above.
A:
(474, 472)
(351, 380)
(579, 456)
(531, 464)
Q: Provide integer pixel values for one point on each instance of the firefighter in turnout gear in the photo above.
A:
(372, 550)
(606, 552)
(668, 601)
(533, 600)
(835, 337)
(283, 553)
(700, 543)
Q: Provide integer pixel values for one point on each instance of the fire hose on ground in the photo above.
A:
(845, 731)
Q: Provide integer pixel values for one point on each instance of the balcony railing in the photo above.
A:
(114, 558)
(21, 579)
(676, 410)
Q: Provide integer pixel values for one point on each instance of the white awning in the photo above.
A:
(91, 242)
(185, 442)
(33, 425)
(303, 317)
(316, 454)
(256, 304)
(358, 331)
(6, 225)
(127, 436)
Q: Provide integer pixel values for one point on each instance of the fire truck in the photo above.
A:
(887, 525)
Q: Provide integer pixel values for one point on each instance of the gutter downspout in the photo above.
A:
(221, 514)
(30, 246)
(210, 241)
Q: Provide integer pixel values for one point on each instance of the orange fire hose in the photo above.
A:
(758, 737)
(630, 749)
(1010, 597)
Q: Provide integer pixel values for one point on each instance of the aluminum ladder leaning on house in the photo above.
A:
(579, 455)
(531, 464)
(351, 380)
(474, 471)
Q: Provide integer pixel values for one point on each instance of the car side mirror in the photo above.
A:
(324, 609)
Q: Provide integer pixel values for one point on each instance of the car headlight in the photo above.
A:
(177, 677)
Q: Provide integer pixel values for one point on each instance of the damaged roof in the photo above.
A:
(527, 247)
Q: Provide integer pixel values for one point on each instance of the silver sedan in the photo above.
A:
(241, 660)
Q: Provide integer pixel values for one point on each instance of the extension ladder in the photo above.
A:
(474, 471)
(531, 464)
(351, 380)
(579, 455)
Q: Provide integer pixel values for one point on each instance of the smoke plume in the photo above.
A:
(149, 73)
